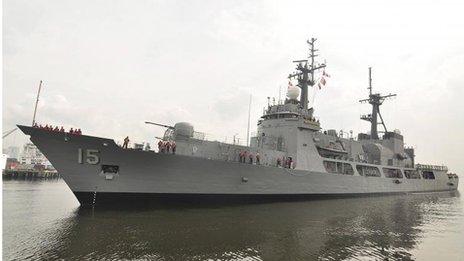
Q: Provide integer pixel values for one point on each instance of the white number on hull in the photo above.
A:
(91, 156)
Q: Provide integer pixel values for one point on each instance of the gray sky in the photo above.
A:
(108, 66)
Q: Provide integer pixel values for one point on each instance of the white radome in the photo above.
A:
(293, 92)
(184, 129)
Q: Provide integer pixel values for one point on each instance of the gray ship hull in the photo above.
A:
(165, 177)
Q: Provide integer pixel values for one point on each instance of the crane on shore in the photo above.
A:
(6, 133)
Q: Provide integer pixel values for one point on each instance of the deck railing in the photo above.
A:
(431, 167)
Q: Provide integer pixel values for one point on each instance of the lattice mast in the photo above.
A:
(305, 73)
(375, 100)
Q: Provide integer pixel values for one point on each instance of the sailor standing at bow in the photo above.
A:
(126, 142)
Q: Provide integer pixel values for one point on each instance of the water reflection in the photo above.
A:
(370, 228)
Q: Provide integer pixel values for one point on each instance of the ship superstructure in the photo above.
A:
(290, 157)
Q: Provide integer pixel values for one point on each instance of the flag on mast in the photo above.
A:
(323, 81)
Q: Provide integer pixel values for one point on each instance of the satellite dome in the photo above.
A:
(293, 92)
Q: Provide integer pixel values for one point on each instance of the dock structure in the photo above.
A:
(29, 174)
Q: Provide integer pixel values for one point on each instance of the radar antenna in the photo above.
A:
(305, 73)
(375, 100)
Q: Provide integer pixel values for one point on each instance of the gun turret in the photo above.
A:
(161, 125)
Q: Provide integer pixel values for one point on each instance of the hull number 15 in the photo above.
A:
(90, 156)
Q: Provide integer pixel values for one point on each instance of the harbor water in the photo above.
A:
(43, 221)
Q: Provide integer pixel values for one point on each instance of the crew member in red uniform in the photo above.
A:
(173, 145)
(163, 147)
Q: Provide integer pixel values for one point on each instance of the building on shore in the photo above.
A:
(11, 152)
(31, 156)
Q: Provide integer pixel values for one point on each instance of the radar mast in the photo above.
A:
(305, 73)
(375, 100)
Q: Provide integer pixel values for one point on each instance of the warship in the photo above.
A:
(290, 158)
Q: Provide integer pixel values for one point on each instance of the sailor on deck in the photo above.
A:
(173, 145)
(126, 142)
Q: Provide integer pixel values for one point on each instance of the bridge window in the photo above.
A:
(428, 175)
(392, 173)
(411, 174)
(368, 171)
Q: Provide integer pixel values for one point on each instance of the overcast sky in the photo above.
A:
(108, 66)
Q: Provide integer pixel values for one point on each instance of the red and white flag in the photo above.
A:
(322, 80)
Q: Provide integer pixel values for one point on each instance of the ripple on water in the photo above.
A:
(43, 221)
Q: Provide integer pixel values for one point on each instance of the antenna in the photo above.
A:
(370, 81)
(305, 73)
(36, 102)
(248, 127)
(375, 100)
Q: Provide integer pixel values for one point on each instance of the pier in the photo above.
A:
(29, 174)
